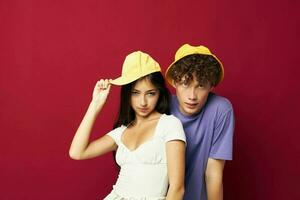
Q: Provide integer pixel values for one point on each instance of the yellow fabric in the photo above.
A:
(135, 66)
(186, 50)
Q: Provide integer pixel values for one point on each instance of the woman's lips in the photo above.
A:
(143, 109)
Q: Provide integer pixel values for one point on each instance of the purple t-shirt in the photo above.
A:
(209, 134)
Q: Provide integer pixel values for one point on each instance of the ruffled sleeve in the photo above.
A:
(116, 133)
(173, 129)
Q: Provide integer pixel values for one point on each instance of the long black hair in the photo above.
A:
(126, 114)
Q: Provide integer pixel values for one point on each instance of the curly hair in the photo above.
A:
(206, 69)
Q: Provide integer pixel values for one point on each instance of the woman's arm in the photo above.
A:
(80, 148)
(176, 167)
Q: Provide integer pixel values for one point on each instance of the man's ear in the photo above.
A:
(173, 83)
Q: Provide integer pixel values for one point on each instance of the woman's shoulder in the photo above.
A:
(170, 119)
(171, 128)
(120, 128)
(117, 131)
(170, 122)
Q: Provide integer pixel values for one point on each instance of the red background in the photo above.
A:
(53, 52)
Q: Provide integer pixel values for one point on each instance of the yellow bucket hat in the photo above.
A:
(186, 50)
(135, 66)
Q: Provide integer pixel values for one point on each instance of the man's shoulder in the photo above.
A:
(218, 102)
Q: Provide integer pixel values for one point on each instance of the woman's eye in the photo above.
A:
(134, 93)
(151, 93)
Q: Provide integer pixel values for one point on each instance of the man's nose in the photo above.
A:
(192, 94)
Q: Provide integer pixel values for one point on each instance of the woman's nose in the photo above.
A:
(143, 101)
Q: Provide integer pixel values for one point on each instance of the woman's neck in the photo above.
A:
(139, 120)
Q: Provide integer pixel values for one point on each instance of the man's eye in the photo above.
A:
(184, 84)
(134, 93)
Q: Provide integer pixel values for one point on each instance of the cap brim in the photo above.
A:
(167, 76)
(123, 80)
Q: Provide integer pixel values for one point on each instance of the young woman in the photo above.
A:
(149, 144)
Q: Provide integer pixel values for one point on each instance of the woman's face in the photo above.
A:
(144, 96)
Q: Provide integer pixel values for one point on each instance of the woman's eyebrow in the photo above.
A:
(151, 90)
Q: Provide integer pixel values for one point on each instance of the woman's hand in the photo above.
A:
(81, 148)
(101, 92)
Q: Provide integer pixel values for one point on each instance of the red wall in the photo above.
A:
(53, 52)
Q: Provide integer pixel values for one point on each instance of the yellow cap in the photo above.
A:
(186, 50)
(135, 66)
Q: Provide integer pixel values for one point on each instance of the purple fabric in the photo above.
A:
(209, 134)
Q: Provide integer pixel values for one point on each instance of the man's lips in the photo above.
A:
(190, 105)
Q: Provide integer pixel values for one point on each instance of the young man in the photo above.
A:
(207, 119)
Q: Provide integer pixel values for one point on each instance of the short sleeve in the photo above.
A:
(116, 133)
(173, 129)
(223, 136)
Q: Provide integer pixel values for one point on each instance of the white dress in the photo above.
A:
(143, 174)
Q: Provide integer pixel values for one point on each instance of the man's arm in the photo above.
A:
(214, 179)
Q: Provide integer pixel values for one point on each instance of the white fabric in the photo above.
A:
(143, 174)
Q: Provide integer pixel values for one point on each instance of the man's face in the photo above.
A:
(191, 96)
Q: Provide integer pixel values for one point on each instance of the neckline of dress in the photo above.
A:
(143, 143)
